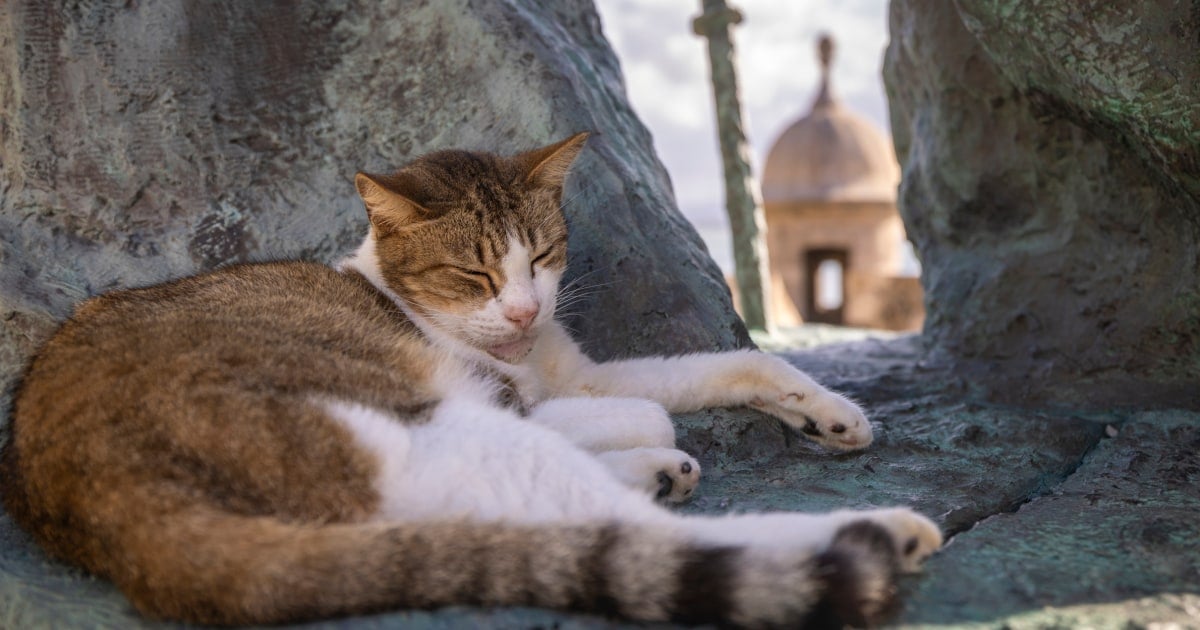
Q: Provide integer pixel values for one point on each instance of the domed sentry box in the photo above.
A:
(835, 237)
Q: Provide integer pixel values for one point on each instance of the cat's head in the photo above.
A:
(473, 243)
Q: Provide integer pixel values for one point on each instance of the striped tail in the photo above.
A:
(211, 567)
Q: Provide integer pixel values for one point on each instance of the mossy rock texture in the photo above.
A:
(1050, 152)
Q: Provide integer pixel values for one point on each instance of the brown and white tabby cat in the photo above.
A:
(284, 441)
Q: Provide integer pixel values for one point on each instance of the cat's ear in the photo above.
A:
(548, 166)
(388, 207)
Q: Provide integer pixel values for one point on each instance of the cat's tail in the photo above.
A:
(211, 567)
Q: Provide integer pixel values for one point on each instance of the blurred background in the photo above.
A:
(842, 254)
(666, 73)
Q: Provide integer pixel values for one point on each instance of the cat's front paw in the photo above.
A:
(822, 416)
(914, 536)
(667, 474)
(827, 418)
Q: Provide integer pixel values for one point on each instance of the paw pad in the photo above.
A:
(915, 537)
(665, 484)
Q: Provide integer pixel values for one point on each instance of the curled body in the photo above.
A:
(285, 441)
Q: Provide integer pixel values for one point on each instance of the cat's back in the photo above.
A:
(287, 327)
(272, 324)
(237, 302)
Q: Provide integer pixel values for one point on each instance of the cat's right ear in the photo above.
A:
(548, 166)
(387, 209)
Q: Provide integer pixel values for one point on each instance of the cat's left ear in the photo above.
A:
(548, 166)
(388, 207)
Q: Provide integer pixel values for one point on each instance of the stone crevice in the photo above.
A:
(1037, 493)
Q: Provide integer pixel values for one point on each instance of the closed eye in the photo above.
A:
(538, 259)
(481, 275)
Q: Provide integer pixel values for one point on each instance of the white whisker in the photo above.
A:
(582, 189)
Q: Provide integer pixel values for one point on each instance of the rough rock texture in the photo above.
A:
(1051, 153)
(143, 141)
(1118, 537)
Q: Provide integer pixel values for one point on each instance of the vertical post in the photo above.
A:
(742, 199)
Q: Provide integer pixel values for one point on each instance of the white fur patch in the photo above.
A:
(605, 424)
(365, 260)
(381, 433)
(518, 291)
(475, 461)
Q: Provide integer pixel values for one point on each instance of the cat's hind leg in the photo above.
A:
(474, 461)
(634, 438)
(474, 464)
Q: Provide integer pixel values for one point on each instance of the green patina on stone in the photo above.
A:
(1116, 541)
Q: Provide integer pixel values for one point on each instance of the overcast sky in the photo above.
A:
(666, 73)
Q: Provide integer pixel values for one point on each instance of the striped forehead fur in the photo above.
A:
(470, 206)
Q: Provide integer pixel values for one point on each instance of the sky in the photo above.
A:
(667, 77)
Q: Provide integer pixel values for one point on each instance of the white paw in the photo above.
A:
(823, 417)
(916, 537)
(667, 474)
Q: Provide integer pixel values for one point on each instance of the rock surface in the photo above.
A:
(1050, 152)
(1114, 543)
(144, 141)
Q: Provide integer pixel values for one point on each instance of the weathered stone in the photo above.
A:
(144, 141)
(1050, 186)
(1117, 542)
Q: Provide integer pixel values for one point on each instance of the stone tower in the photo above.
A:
(834, 235)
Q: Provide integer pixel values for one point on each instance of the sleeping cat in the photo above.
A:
(284, 441)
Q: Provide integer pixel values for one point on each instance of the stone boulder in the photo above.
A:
(1051, 185)
(144, 141)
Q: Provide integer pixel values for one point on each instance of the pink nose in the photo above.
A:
(521, 315)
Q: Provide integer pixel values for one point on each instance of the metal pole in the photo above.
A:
(742, 199)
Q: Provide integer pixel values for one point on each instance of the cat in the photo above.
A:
(282, 441)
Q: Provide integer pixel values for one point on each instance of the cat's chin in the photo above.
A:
(512, 351)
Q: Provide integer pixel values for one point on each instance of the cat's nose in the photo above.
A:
(521, 314)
